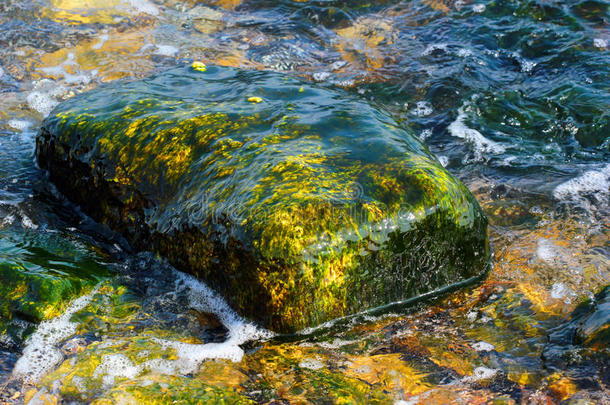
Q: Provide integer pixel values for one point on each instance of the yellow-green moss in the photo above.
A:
(310, 197)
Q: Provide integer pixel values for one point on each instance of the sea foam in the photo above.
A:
(591, 190)
(41, 352)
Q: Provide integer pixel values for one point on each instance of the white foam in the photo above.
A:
(425, 134)
(321, 76)
(434, 47)
(527, 65)
(464, 52)
(166, 50)
(591, 186)
(483, 347)
(547, 251)
(41, 353)
(559, 291)
(481, 373)
(43, 97)
(478, 8)
(19, 125)
(144, 6)
(600, 43)
(190, 356)
(443, 160)
(1, 71)
(481, 144)
(422, 109)
(116, 365)
(41, 102)
(311, 364)
(27, 223)
(8, 220)
(412, 401)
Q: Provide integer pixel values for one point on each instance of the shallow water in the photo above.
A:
(512, 97)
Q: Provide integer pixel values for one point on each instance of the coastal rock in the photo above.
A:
(297, 203)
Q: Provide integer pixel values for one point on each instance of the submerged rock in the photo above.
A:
(302, 206)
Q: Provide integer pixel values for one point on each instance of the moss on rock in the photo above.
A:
(303, 207)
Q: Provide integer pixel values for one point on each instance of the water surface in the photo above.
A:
(511, 96)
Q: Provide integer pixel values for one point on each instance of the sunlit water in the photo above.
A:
(512, 97)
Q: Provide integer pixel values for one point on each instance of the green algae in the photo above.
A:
(39, 276)
(309, 195)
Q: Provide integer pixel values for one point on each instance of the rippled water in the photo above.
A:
(511, 96)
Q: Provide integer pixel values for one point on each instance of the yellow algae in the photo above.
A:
(222, 373)
(319, 220)
(106, 57)
(562, 387)
(199, 66)
(438, 5)
(84, 11)
(388, 372)
(361, 43)
(226, 4)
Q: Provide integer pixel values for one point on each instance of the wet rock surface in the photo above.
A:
(298, 203)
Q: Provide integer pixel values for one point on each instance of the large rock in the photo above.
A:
(297, 203)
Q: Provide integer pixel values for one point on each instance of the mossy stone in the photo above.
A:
(307, 205)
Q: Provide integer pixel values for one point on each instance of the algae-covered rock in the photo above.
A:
(297, 203)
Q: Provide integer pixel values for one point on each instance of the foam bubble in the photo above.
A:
(600, 43)
(482, 373)
(116, 365)
(166, 50)
(1, 71)
(311, 364)
(425, 134)
(41, 102)
(483, 347)
(434, 47)
(190, 356)
(559, 290)
(464, 52)
(19, 125)
(547, 251)
(481, 144)
(478, 8)
(144, 6)
(422, 109)
(591, 189)
(41, 353)
(27, 223)
(43, 97)
(321, 76)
